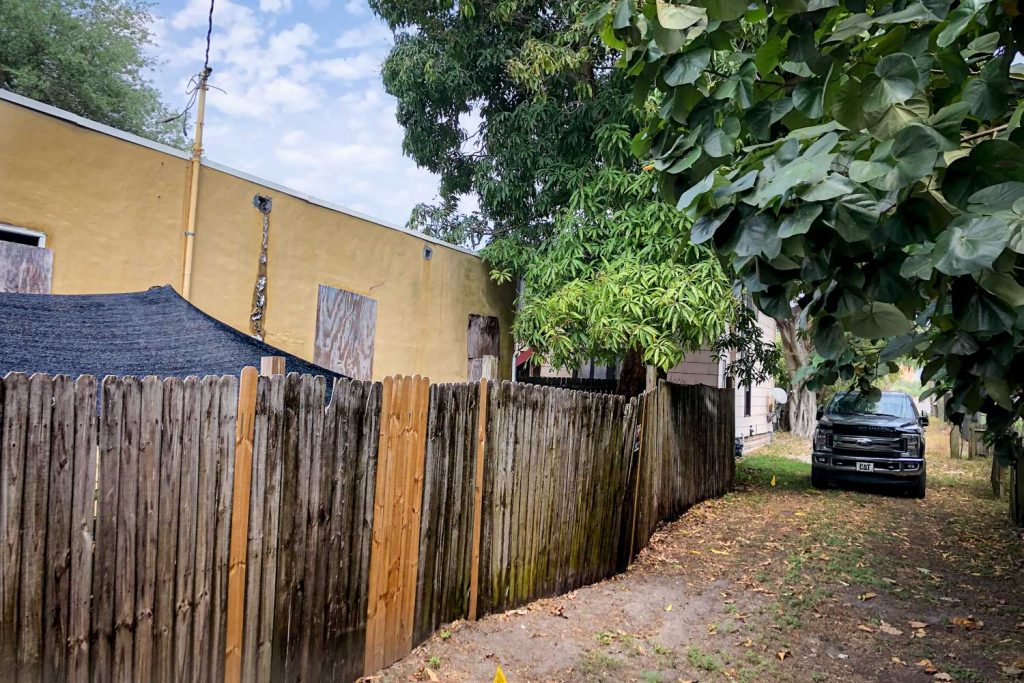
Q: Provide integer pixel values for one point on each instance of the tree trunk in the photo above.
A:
(633, 376)
(1017, 491)
(803, 404)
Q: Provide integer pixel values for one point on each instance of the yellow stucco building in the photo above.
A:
(112, 208)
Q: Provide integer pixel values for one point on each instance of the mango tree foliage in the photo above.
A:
(863, 159)
(617, 273)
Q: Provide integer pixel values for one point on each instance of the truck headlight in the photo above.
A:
(822, 440)
(912, 443)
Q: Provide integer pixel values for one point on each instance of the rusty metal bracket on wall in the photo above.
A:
(263, 204)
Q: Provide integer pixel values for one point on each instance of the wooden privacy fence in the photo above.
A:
(217, 530)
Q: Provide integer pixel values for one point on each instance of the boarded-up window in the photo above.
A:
(25, 269)
(346, 323)
(483, 339)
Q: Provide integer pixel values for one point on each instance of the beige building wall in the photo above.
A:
(113, 209)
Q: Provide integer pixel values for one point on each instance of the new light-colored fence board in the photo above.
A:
(446, 524)
(368, 519)
(396, 521)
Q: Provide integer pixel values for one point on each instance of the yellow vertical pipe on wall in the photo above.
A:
(193, 190)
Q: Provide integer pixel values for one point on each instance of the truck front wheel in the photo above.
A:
(819, 479)
(917, 489)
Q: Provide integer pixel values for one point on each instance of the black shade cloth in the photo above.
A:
(155, 332)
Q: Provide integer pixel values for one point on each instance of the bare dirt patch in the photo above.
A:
(780, 583)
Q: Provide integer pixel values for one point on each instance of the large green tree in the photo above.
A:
(862, 159)
(565, 208)
(86, 56)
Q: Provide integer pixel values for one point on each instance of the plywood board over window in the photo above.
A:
(346, 324)
(483, 339)
(25, 269)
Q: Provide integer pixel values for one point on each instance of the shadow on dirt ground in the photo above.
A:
(779, 582)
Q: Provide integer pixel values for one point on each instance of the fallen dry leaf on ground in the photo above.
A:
(942, 677)
(782, 654)
(918, 624)
(865, 628)
(888, 628)
(969, 622)
(927, 666)
(867, 596)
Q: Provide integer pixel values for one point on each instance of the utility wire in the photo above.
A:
(196, 81)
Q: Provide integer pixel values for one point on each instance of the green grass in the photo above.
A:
(702, 660)
(757, 471)
(596, 663)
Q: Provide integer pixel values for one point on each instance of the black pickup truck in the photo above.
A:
(870, 440)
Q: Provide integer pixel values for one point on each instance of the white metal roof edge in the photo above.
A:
(50, 110)
(333, 207)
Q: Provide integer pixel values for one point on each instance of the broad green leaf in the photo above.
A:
(878, 321)
(756, 236)
(994, 198)
(894, 81)
(597, 14)
(856, 216)
(899, 116)
(910, 157)
(800, 221)
(958, 20)
(1002, 285)
(687, 67)
(970, 244)
(999, 390)
(919, 265)
(809, 98)
(704, 227)
(684, 162)
(686, 199)
(766, 58)
(725, 10)
(623, 14)
(948, 122)
(989, 93)
(829, 339)
(679, 16)
(834, 185)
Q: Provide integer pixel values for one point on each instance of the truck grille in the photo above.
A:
(866, 445)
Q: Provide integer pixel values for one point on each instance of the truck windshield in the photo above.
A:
(853, 403)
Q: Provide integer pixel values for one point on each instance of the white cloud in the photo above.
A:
(358, 8)
(371, 34)
(363, 65)
(298, 108)
(276, 6)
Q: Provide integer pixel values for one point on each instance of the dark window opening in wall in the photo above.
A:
(747, 400)
(30, 238)
(483, 338)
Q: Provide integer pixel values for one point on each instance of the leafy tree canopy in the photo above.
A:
(861, 158)
(564, 206)
(86, 56)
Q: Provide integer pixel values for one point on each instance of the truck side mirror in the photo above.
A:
(819, 413)
(923, 419)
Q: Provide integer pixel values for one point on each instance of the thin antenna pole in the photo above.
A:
(193, 192)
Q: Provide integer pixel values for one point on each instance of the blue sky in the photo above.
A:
(303, 104)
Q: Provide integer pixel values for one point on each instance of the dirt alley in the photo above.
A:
(779, 582)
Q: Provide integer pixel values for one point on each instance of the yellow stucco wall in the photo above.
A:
(113, 213)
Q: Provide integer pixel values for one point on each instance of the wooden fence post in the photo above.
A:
(244, 434)
(478, 492)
